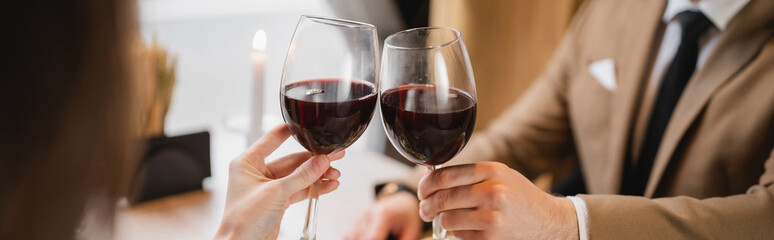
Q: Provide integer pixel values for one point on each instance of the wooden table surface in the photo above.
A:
(196, 215)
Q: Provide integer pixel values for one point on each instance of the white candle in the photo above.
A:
(258, 58)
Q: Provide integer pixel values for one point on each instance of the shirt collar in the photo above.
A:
(720, 12)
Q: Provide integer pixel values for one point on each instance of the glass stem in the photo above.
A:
(438, 232)
(310, 226)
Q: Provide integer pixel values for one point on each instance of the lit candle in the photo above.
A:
(258, 58)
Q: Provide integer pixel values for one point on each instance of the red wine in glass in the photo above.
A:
(329, 89)
(428, 126)
(428, 97)
(328, 115)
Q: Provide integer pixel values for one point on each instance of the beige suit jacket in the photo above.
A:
(713, 176)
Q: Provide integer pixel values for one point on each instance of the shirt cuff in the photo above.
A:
(583, 217)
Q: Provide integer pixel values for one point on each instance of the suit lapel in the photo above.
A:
(741, 42)
(633, 55)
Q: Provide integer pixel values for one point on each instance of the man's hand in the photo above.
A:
(489, 200)
(259, 192)
(395, 215)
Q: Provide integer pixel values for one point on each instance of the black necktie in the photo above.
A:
(693, 24)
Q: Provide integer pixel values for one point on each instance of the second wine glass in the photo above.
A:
(428, 97)
(329, 89)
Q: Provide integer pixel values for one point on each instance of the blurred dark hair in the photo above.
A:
(68, 129)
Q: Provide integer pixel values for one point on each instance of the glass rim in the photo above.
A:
(337, 21)
(457, 37)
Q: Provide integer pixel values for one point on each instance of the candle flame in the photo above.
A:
(259, 40)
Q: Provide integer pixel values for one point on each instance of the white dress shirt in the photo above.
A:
(720, 13)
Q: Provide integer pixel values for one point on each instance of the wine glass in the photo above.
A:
(427, 97)
(328, 91)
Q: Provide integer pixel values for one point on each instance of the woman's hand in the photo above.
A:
(259, 192)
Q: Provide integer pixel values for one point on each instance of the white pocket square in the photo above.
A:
(604, 71)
